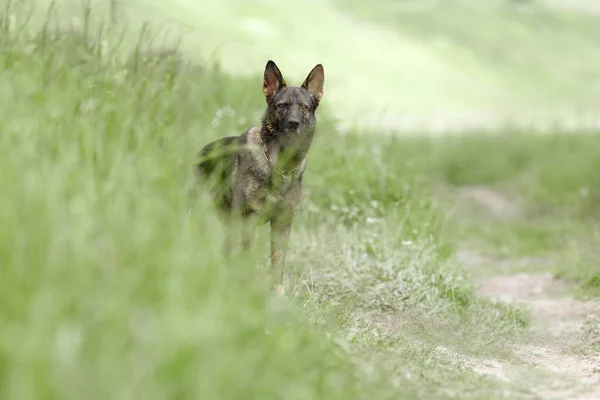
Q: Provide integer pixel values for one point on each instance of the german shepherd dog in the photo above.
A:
(257, 176)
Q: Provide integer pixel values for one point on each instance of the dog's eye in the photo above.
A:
(282, 106)
(304, 107)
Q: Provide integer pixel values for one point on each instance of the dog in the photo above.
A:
(257, 176)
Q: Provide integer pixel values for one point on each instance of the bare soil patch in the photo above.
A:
(558, 322)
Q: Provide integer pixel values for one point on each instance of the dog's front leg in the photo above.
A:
(281, 227)
(280, 233)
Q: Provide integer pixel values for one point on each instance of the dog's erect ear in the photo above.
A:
(274, 81)
(314, 82)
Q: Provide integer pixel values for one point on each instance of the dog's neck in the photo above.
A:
(285, 156)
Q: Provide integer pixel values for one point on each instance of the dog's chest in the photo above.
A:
(267, 191)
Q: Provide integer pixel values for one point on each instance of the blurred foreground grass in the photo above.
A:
(113, 285)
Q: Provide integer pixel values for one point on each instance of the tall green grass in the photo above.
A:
(113, 285)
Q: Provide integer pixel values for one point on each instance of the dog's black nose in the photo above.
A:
(293, 123)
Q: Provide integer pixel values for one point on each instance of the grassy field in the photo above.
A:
(529, 52)
(113, 285)
(548, 187)
(437, 67)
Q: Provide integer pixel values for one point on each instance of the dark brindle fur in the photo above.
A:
(261, 174)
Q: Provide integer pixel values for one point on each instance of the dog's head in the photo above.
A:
(291, 109)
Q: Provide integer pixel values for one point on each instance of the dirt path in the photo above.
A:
(559, 356)
(557, 366)
(552, 360)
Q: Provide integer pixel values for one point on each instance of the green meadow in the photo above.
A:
(113, 284)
